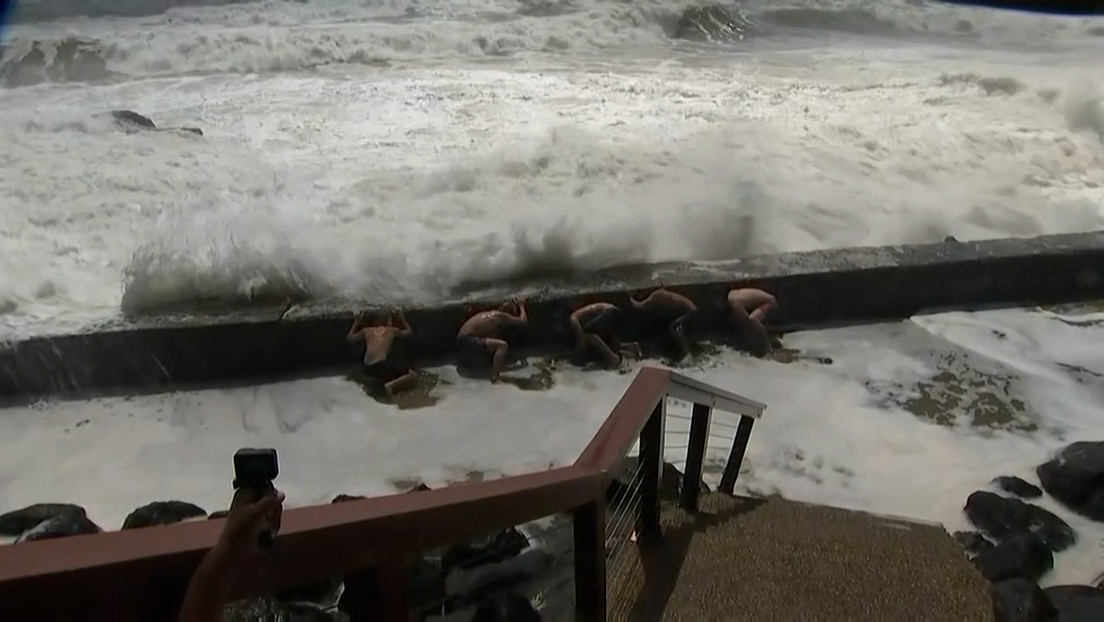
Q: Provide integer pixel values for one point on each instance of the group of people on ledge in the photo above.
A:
(599, 331)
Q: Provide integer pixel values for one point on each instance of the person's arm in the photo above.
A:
(354, 330)
(232, 556)
(206, 593)
(761, 311)
(404, 326)
(523, 314)
(577, 332)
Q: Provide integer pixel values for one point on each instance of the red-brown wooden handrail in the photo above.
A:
(142, 573)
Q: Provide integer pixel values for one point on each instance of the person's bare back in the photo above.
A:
(483, 334)
(486, 324)
(380, 362)
(749, 308)
(666, 303)
(599, 325)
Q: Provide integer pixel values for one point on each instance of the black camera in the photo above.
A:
(254, 470)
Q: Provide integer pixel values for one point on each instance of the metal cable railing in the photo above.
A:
(622, 512)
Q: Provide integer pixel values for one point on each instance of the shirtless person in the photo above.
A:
(380, 363)
(749, 307)
(598, 326)
(668, 304)
(482, 334)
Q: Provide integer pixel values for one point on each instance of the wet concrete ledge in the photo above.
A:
(814, 288)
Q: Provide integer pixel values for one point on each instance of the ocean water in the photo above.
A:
(398, 150)
(395, 150)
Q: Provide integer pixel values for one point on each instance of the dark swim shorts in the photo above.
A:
(685, 321)
(390, 368)
(473, 350)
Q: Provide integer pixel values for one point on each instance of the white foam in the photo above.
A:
(831, 434)
(402, 185)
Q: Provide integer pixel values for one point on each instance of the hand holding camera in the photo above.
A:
(254, 517)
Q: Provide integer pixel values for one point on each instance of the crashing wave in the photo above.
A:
(71, 59)
(713, 22)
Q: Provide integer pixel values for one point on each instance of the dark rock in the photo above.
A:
(130, 121)
(712, 22)
(420, 488)
(425, 590)
(1022, 556)
(162, 513)
(625, 483)
(129, 117)
(973, 542)
(217, 514)
(18, 521)
(345, 498)
(1077, 603)
(1020, 600)
(60, 527)
(950, 238)
(324, 594)
(999, 517)
(497, 548)
(1018, 487)
(1075, 477)
(469, 587)
(510, 606)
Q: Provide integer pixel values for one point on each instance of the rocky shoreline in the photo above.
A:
(1015, 541)
(528, 568)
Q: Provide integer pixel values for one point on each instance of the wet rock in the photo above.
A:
(131, 118)
(1077, 603)
(323, 595)
(425, 590)
(1018, 487)
(1020, 600)
(712, 22)
(510, 606)
(468, 587)
(130, 121)
(1022, 556)
(973, 542)
(16, 522)
(162, 513)
(625, 483)
(59, 527)
(499, 547)
(1000, 517)
(343, 498)
(420, 488)
(1075, 477)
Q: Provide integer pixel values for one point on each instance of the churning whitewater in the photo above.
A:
(398, 151)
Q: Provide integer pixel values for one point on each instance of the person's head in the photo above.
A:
(510, 607)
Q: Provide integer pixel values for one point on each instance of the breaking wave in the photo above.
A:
(221, 37)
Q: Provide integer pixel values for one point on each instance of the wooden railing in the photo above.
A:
(141, 574)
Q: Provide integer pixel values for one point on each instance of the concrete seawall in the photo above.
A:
(814, 288)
